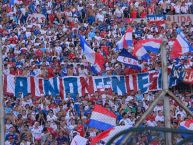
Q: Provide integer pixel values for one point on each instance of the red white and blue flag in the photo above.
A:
(102, 118)
(187, 125)
(105, 136)
(126, 41)
(180, 46)
(151, 45)
(95, 58)
(140, 52)
(142, 48)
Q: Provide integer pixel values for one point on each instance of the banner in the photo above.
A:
(180, 18)
(188, 76)
(156, 17)
(74, 86)
(148, 18)
(180, 74)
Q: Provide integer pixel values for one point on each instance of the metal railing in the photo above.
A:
(153, 132)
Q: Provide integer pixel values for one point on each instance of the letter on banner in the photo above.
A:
(107, 84)
(160, 80)
(71, 86)
(118, 84)
(188, 77)
(53, 89)
(143, 82)
(153, 79)
(21, 85)
(99, 84)
(87, 84)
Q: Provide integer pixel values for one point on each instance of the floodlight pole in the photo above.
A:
(2, 137)
(168, 137)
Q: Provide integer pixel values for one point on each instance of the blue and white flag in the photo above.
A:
(128, 59)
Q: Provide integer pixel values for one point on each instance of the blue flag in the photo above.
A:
(128, 59)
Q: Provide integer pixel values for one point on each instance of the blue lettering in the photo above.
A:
(21, 86)
(71, 86)
(143, 83)
(107, 82)
(98, 81)
(116, 83)
(48, 88)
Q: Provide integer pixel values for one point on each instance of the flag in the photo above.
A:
(180, 46)
(126, 41)
(105, 136)
(102, 118)
(140, 52)
(128, 59)
(94, 69)
(95, 58)
(79, 140)
(160, 23)
(187, 125)
(151, 45)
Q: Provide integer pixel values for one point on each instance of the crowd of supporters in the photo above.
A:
(49, 47)
(50, 120)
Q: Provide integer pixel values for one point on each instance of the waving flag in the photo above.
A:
(188, 125)
(151, 45)
(159, 23)
(180, 46)
(128, 59)
(102, 118)
(95, 58)
(105, 136)
(140, 52)
(126, 41)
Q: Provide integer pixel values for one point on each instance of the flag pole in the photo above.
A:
(2, 137)
(168, 137)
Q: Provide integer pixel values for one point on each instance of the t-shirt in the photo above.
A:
(51, 118)
(36, 132)
(159, 118)
(151, 123)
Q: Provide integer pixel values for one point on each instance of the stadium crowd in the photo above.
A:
(49, 46)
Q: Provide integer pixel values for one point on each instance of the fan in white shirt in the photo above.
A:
(181, 112)
(129, 98)
(184, 9)
(159, 116)
(37, 130)
(126, 121)
(151, 122)
(51, 116)
(177, 9)
(53, 125)
(157, 108)
(118, 12)
(100, 17)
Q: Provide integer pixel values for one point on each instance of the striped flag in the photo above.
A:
(102, 118)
